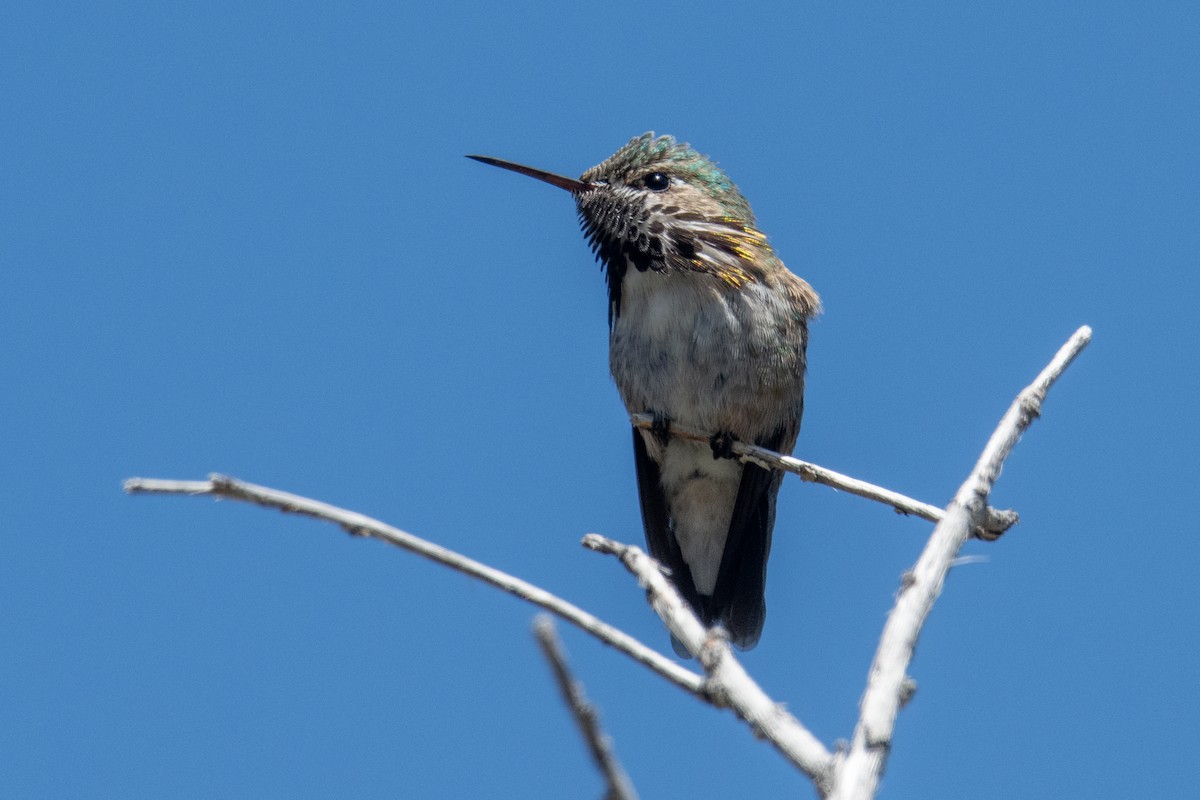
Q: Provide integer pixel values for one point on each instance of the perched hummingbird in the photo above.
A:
(708, 329)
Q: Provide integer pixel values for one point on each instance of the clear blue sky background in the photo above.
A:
(244, 239)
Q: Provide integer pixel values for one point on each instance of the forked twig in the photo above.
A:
(727, 684)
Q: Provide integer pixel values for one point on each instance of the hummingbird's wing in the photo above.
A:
(657, 522)
(739, 597)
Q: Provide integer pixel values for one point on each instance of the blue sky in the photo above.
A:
(244, 239)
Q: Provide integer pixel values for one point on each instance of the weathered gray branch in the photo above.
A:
(857, 773)
(992, 523)
(585, 714)
(725, 684)
(222, 486)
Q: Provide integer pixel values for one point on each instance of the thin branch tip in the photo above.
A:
(602, 544)
(587, 717)
(163, 486)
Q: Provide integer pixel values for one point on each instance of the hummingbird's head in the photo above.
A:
(656, 205)
(652, 171)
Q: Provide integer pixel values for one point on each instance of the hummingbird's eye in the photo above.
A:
(657, 181)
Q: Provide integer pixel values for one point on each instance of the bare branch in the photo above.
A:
(888, 687)
(221, 486)
(586, 716)
(991, 525)
(728, 685)
(853, 774)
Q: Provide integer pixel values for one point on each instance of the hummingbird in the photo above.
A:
(709, 330)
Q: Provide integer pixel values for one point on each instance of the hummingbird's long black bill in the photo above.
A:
(561, 181)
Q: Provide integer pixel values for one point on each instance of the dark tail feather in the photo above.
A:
(660, 541)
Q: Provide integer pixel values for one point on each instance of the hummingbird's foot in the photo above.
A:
(722, 444)
(660, 428)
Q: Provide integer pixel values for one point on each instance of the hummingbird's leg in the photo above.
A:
(722, 444)
(660, 427)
